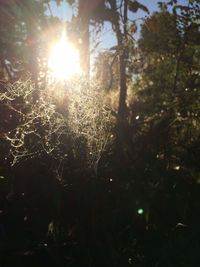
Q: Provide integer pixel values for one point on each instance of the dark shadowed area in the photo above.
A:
(99, 148)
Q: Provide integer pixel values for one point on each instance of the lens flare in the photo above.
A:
(64, 60)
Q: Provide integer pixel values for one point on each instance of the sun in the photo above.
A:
(64, 61)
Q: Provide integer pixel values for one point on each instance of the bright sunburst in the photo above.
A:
(63, 60)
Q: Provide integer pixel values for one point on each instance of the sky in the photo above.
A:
(65, 11)
(107, 37)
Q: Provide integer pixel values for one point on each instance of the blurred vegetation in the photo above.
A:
(101, 172)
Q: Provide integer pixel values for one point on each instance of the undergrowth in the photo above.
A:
(65, 119)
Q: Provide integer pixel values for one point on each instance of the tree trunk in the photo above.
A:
(84, 20)
(121, 41)
(122, 108)
(31, 26)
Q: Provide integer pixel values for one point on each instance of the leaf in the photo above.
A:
(182, 8)
(144, 8)
(133, 28)
(115, 47)
(58, 2)
(135, 5)
(71, 2)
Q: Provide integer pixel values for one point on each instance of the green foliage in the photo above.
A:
(161, 33)
(169, 89)
(107, 70)
(25, 32)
